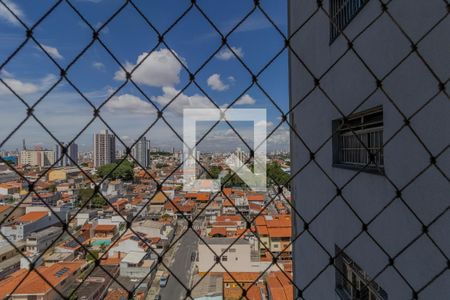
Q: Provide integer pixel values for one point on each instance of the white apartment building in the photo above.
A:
(39, 158)
(394, 255)
(240, 257)
(104, 148)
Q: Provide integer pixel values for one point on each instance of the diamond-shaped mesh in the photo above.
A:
(314, 88)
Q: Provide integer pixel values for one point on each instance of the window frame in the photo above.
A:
(377, 127)
(335, 31)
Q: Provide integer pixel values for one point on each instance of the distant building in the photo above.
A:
(140, 152)
(70, 158)
(43, 283)
(10, 257)
(37, 157)
(39, 241)
(63, 174)
(29, 223)
(104, 148)
(240, 257)
(136, 265)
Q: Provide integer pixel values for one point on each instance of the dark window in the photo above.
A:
(352, 282)
(358, 141)
(342, 12)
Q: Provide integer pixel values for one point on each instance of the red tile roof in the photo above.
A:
(105, 228)
(216, 231)
(4, 208)
(255, 197)
(33, 282)
(279, 286)
(280, 232)
(32, 216)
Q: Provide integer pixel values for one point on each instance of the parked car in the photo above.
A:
(163, 280)
(158, 297)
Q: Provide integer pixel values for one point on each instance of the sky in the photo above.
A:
(160, 77)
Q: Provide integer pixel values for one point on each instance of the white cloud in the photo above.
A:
(226, 54)
(5, 73)
(20, 87)
(182, 100)
(47, 81)
(215, 82)
(280, 136)
(160, 69)
(52, 51)
(25, 88)
(231, 79)
(7, 16)
(264, 123)
(245, 100)
(98, 65)
(130, 104)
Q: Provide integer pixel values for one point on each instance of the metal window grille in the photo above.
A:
(360, 140)
(342, 12)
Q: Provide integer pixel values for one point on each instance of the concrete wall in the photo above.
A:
(348, 83)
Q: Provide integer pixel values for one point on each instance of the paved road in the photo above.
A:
(181, 267)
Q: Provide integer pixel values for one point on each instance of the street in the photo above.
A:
(181, 266)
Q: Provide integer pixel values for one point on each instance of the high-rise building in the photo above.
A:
(72, 152)
(374, 116)
(37, 157)
(140, 152)
(104, 148)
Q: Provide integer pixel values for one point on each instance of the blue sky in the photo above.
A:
(160, 76)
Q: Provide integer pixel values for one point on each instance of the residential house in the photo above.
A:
(40, 241)
(33, 221)
(137, 265)
(23, 284)
(240, 257)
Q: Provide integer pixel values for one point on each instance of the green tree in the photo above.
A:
(276, 175)
(214, 172)
(124, 171)
(233, 180)
(92, 255)
(52, 188)
(84, 195)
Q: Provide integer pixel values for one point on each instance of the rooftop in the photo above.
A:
(21, 282)
(32, 216)
(134, 257)
(223, 241)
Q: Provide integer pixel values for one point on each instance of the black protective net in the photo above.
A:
(98, 263)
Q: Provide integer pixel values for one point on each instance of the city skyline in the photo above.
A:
(163, 75)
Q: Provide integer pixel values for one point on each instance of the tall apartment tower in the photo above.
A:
(140, 152)
(374, 189)
(104, 148)
(72, 152)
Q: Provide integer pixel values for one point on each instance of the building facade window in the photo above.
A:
(353, 283)
(358, 141)
(341, 14)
